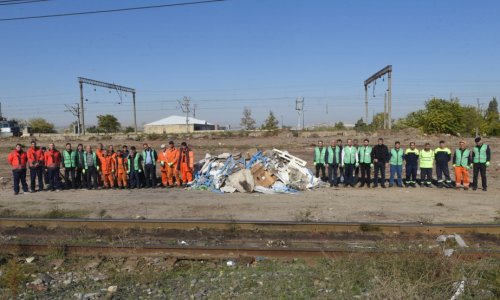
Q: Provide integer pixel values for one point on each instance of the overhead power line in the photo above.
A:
(110, 10)
(21, 2)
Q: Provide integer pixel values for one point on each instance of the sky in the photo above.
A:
(260, 54)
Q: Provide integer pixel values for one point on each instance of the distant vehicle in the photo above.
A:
(9, 128)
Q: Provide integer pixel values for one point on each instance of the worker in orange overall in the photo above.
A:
(185, 165)
(98, 152)
(121, 170)
(172, 160)
(18, 159)
(162, 159)
(107, 169)
(53, 159)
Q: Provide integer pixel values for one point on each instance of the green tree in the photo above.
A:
(378, 121)
(40, 125)
(128, 129)
(271, 122)
(491, 124)
(339, 126)
(108, 123)
(247, 122)
(360, 125)
(92, 129)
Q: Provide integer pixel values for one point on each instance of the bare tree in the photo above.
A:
(247, 122)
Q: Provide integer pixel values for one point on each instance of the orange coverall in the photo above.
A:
(108, 170)
(121, 171)
(186, 165)
(172, 160)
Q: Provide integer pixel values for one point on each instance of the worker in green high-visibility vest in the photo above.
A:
(396, 164)
(426, 165)
(319, 160)
(461, 164)
(355, 143)
(481, 156)
(365, 163)
(69, 164)
(349, 162)
(332, 159)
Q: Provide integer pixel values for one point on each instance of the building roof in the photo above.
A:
(177, 120)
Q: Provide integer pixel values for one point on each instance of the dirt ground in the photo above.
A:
(324, 204)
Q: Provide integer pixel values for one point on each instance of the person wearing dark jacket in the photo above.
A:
(380, 157)
(341, 168)
(411, 158)
(442, 156)
(80, 178)
(481, 156)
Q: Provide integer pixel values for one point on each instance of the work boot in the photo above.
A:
(474, 188)
(362, 185)
(485, 189)
(390, 185)
(382, 186)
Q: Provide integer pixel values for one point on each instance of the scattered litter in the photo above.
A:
(112, 289)
(230, 263)
(183, 243)
(267, 172)
(460, 241)
(460, 290)
(448, 252)
(140, 217)
(30, 259)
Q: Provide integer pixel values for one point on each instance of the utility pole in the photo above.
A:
(385, 110)
(112, 86)
(186, 109)
(194, 110)
(299, 107)
(480, 112)
(389, 99)
(75, 111)
(387, 70)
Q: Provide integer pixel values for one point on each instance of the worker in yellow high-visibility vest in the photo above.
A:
(426, 159)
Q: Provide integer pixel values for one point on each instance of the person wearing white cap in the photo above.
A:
(162, 159)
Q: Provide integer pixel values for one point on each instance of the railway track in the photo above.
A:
(258, 226)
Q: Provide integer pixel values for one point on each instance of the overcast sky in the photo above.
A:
(260, 54)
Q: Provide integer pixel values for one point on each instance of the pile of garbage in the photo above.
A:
(267, 172)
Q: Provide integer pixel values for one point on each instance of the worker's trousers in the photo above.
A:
(108, 180)
(19, 177)
(333, 174)
(34, 173)
(479, 169)
(134, 179)
(186, 173)
(349, 174)
(80, 178)
(69, 172)
(171, 175)
(379, 167)
(91, 177)
(365, 174)
(121, 179)
(462, 175)
(411, 173)
(320, 167)
(150, 175)
(396, 170)
(426, 176)
(440, 170)
(53, 178)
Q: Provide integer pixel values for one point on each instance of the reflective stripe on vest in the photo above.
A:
(480, 155)
(319, 157)
(136, 162)
(349, 155)
(462, 160)
(426, 159)
(365, 154)
(396, 157)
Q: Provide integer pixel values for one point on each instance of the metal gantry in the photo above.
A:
(82, 80)
(387, 70)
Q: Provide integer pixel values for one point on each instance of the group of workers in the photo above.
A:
(102, 168)
(352, 163)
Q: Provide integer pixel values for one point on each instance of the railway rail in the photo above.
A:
(262, 226)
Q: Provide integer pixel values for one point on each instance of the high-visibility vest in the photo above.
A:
(396, 157)
(154, 156)
(94, 158)
(333, 153)
(136, 162)
(69, 159)
(462, 157)
(426, 159)
(319, 155)
(121, 164)
(365, 154)
(480, 154)
(349, 155)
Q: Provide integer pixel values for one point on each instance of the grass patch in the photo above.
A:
(369, 227)
(305, 216)
(55, 213)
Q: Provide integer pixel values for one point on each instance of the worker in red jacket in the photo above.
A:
(53, 163)
(17, 160)
(35, 163)
(185, 164)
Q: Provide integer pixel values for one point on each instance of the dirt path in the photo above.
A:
(326, 204)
